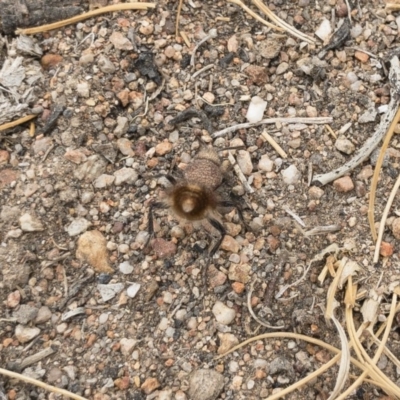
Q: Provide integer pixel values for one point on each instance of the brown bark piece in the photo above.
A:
(29, 13)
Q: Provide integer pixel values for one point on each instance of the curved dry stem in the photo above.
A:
(288, 28)
(178, 15)
(375, 373)
(256, 16)
(40, 384)
(392, 7)
(82, 17)
(252, 313)
(378, 166)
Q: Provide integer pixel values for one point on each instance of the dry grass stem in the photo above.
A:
(378, 166)
(185, 38)
(17, 122)
(344, 367)
(40, 384)
(82, 17)
(256, 16)
(280, 22)
(178, 15)
(330, 130)
(384, 217)
(296, 336)
(32, 129)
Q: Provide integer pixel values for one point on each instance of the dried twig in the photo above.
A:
(212, 34)
(239, 173)
(348, 10)
(200, 71)
(82, 17)
(275, 145)
(294, 216)
(319, 230)
(373, 141)
(284, 120)
(33, 359)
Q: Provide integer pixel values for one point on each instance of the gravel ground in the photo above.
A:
(116, 320)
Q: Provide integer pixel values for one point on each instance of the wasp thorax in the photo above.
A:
(204, 172)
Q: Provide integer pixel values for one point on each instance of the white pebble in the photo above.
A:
(223, 314)
(291, 175)
(256, 109)
(265, 164)
(324, 30)
(126, 268)
(133, 290)
(103, 318)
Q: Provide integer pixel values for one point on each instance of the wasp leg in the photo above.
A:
(171, 179)
(220, 228)
(237, 207)
(150, 225)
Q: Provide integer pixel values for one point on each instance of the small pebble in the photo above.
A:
(127, 345)
(30, 223)
(125, 176)
(227, 341)
(239, 272)
(344, 145)
(77, 226)
(25, 333)
(343, 185)
(198, 390)
(386, 249)
(396, 228)
(163, 148)
(149, 385)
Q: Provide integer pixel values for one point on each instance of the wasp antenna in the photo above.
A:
(232, 148)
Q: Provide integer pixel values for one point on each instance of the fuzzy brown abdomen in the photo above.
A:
(205, 173)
